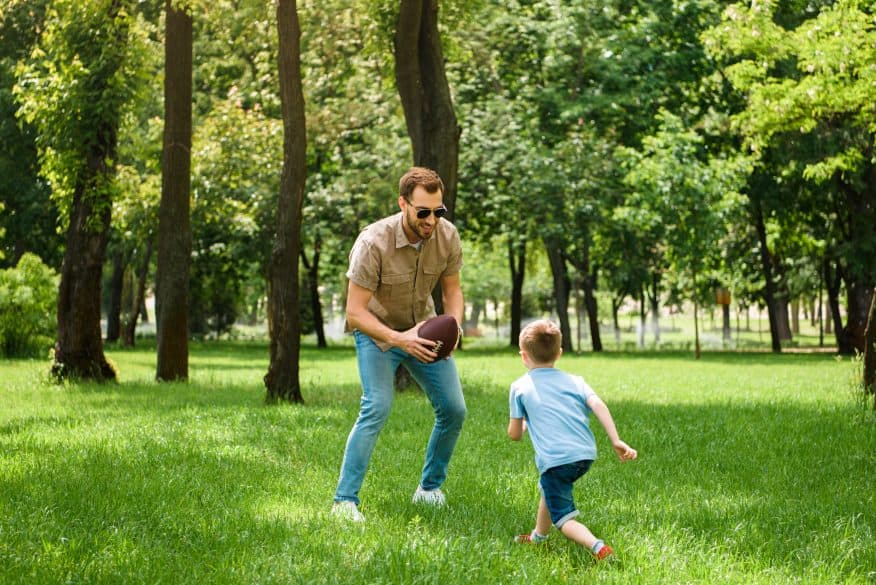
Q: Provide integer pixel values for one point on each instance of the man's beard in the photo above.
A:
(414, 224)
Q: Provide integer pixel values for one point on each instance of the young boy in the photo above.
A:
(556, 408)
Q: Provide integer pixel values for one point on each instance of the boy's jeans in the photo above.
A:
(377, 373)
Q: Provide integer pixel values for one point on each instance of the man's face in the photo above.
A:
(421, 200)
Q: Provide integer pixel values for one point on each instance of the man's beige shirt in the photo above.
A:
(400, 276)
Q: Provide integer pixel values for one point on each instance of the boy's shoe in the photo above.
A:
(605, 553)
(347, 510)
(529, 539)
(432, 497)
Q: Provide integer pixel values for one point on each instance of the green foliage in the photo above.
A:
(28, 299)
(544, 90)
(235, 183)
(485, 274)
(29, 220)
(804, 80)
(690, 196)
(235, 53)
(85, 70)
(810, 120)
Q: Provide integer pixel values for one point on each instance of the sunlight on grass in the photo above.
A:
(754, 468)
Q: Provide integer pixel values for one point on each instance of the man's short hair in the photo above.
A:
(426, 178)
(542, 340)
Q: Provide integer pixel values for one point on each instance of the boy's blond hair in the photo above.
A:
(542, 340)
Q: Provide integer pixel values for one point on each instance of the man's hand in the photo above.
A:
(624, 451)
(419, 347)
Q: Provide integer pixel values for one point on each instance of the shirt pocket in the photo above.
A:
(398, 286)
(431, 274)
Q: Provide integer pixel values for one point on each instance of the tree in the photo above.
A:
(135, 213)
(174, 219)
(425, 94)
(235, 181)
(670, 177)
(870, 351)
(357, 142)
(284, 322)
(501, 157)
(808, 88)
(29, 220)
(74, 88)
(425, 97)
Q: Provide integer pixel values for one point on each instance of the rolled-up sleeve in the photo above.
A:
(454, 258)
(364, 267)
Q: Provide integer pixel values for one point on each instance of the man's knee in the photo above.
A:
(456, 414)
(375, 413)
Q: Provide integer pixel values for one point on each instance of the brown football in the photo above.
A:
(443, 330)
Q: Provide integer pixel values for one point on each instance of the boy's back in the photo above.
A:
(554, 405)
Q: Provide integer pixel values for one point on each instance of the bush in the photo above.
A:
(28, 299)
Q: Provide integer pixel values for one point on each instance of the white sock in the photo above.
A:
(536, 537)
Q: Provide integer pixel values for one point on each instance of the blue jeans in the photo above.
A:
(556, 486)
(377, 373)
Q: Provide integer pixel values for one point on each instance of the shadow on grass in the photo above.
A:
(185, 475)
(727, 357)
(188, 475)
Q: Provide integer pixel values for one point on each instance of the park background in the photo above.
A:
(687, 187)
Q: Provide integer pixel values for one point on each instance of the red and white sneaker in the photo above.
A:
(605, 553)
(529, 538)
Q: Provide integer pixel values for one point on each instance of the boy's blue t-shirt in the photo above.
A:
(554, 405)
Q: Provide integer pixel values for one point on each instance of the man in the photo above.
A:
(394, 265)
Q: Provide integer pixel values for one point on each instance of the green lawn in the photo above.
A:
(753, 468)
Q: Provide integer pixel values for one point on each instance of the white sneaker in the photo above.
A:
(432, 497)
(347, 510)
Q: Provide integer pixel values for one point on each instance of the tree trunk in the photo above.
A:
(174, 217)
(767, 264)
(783, 322)
(580, 313)
(477, 307)
(859, 273)
(588, 283)
(820, 309)
(425, 94)
(79, 346)
(144, 312)
(139, 295)
(312, 268)
(726, 312)
(592, 312)
(795, 316)
(870, 350)
(561, 290)
(833, 283)
(282, 379)
(696, 318)
(114, 311)
(654, 298)
(858, 297)
(643, 320)
(517, 265)
(615, 307)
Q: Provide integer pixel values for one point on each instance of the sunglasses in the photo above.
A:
(423, 212)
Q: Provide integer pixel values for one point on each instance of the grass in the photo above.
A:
(753, 468)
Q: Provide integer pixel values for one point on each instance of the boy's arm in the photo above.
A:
(624, 451)
(516, 426)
